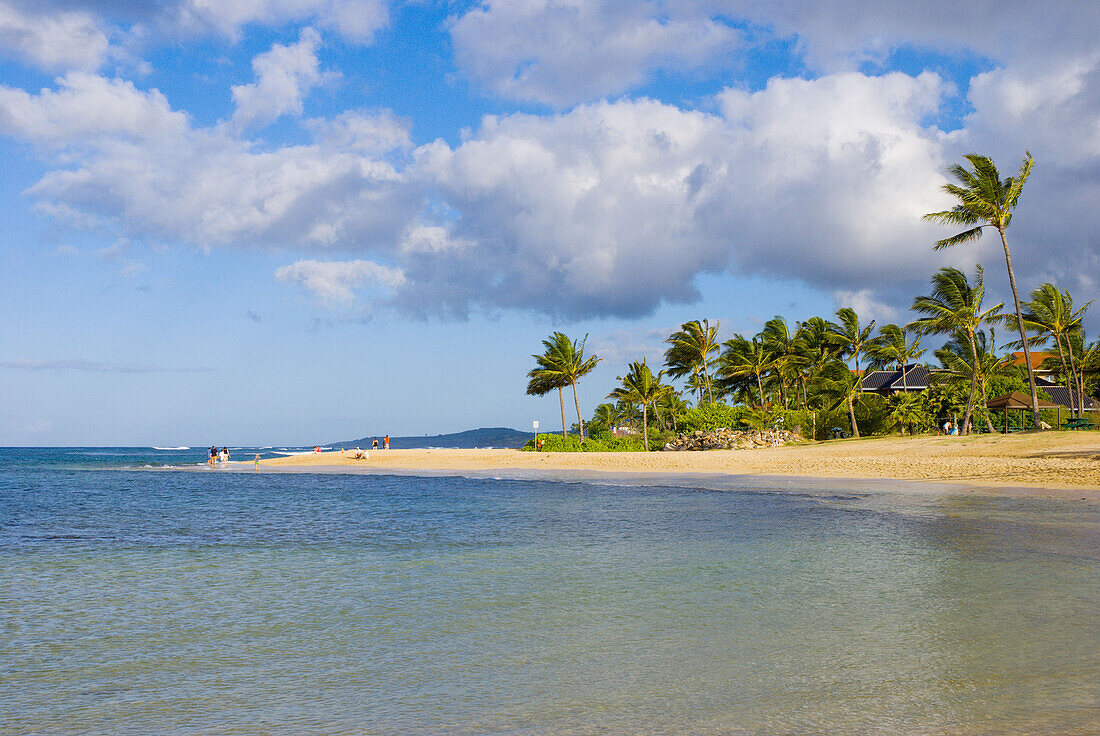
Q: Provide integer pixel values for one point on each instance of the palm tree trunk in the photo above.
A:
(561, 400)
(710, 390)
(852, 416)
(645, 426)
(760, 386)
(577, 403)
(1070, 378)
(1020, 325)
(973, 382)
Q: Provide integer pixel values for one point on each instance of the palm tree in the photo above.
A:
(778, 340)
(606, 414)
(907, 410)
(955, 308)
(839, 386)
(544, 379)
(894, 348)
(814, 348)
(958, 357)
(692, 350)
(986, 200)
(744, 358)
(847, 334)
(564, 363)
(640, 386)
(1050, 312)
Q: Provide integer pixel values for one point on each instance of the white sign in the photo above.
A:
(534, 425)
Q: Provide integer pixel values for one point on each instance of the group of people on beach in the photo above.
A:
(218, 457)
(952, 428)
(361, 455)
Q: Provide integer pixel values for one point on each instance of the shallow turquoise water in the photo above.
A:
(185, 602)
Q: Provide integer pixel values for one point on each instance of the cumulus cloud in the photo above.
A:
(565, 51)
(355, 20)
(616, 207)
(61, 35)
(63, 39)
(866, 305)
(284, 75)
(334, 282)
(124, 157)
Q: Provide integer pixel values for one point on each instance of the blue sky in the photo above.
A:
(295, 221)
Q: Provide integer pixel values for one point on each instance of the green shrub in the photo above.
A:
(601, 442)
(708, 417)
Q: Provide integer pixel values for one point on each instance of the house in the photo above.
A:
(1058, 394)
(887, 383)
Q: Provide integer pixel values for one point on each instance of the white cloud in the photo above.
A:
(124, 157)
(565, 51)
(866, 305)
(63, 39)
(334, 282)
(355, 20)
(284, 75)
(613, 208)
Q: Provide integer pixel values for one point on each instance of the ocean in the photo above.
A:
(142, 593)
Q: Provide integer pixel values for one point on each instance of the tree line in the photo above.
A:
(806, 366)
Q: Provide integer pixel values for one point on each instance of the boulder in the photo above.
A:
(732, 439)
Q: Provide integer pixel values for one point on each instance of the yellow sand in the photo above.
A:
(1061, 464)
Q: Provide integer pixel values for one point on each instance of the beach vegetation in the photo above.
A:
(954, 308)
(693, 350)
(640, 386)
(987, 200)
(562, 364)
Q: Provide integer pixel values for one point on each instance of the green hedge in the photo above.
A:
(601, 442)
(708, 417)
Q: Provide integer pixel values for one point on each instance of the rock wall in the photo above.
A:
(731, 439)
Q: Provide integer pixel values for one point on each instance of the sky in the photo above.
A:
(267, 222)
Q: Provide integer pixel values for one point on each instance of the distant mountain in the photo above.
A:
(485, 437)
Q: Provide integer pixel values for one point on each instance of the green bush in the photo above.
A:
(708, 417)
(601, 442)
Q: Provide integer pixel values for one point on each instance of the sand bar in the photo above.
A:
(1051, 464)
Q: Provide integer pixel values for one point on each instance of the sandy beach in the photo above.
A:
(1047, 464)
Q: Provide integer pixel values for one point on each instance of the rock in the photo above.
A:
(729, 439)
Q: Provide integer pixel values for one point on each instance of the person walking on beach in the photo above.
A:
(213, 456)
(257, 461)
(225, 456)
(386, 443)
(374, 444)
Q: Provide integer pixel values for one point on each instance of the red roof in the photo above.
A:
(1037, 357)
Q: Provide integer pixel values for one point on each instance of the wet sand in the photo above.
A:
(1046, 464)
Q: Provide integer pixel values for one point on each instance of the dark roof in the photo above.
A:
(916, 377)
(1060, 395)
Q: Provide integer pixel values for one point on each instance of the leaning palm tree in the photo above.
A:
(895, 348)
(542, 380)
(986, 200)
(693, 350)
(955, 308)
(1050, 312)
(640, 386)
(564, 363)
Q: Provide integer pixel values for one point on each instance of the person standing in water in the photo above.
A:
(213, 456)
